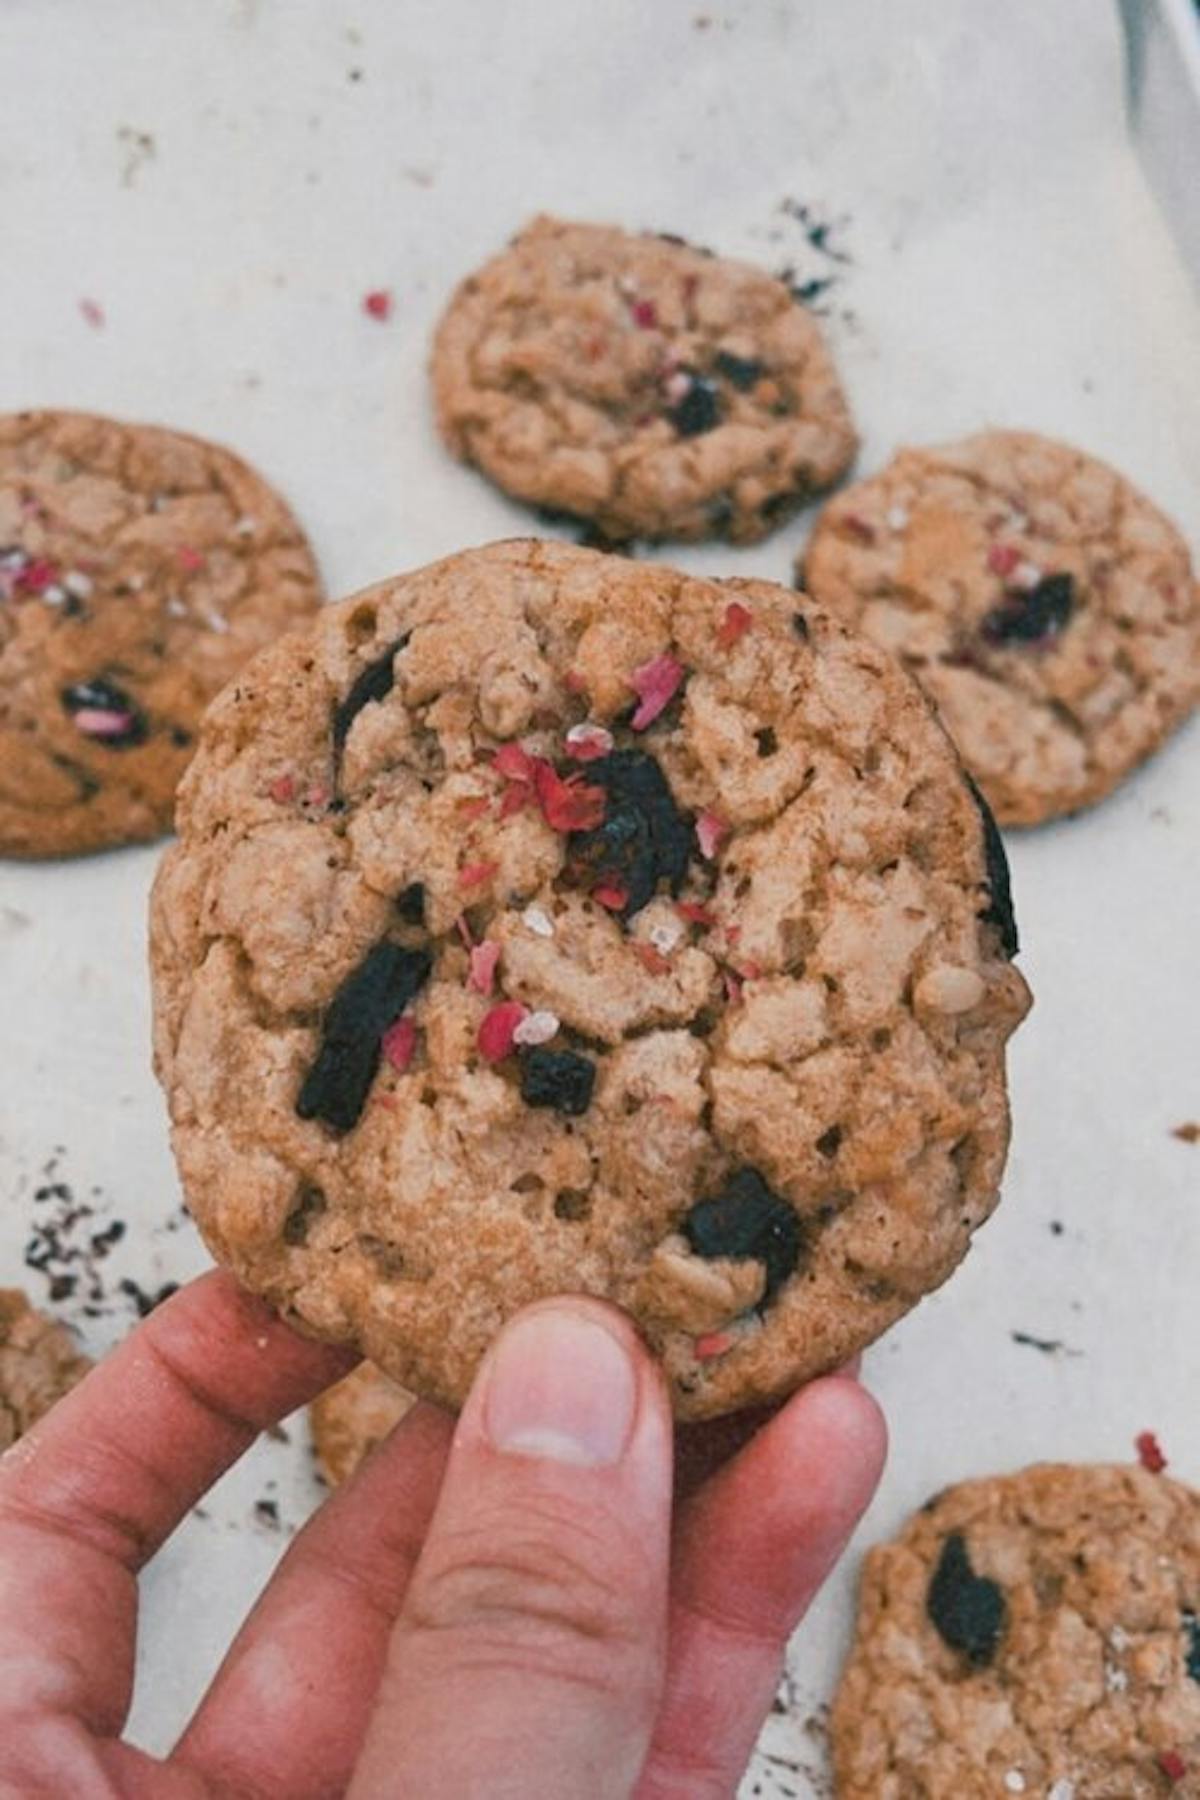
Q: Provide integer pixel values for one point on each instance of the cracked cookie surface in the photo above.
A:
(349, 1419)
(639, 384)
(1046, 606)
(39, 1363)
(139, 568)
(543, 922)
(1029, 1634)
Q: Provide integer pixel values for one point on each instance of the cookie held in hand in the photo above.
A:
(542, 922)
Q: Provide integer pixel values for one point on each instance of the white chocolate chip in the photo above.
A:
(1062, 1790)
(666, 937)
(537, 921)
(78, 584)
(1014, 1781)
(54, 594)
(536, 1028)
(596, 737)
(897, 518)
(246, 527)
(176, 607)
(1119, 1638)
(948, 989)
(1026, 575)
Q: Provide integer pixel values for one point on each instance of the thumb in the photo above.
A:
(529, 1654)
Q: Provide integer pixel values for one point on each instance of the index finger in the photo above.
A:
(91, 1493)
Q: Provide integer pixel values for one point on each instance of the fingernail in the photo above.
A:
(559, 1387)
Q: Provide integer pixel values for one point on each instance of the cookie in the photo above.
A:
(351, 1417)
(1047, 607)
(1029, 1634)
(543, 921)
(646, 387)
(139, 569)
(39, 1362)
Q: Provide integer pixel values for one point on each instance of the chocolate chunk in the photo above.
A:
(371, 998)
(103, 696)
(1000, 911)
(967, 1610)
(644, 839)
(746, 1219)
(800, 626)
(411, 903)
(375, 682)
(699, 410)
(740, 371)
(557, 1078)
(719, 513)
(1191, 1645)
(1032, 617)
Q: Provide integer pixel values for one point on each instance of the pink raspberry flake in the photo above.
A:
(571, 804)
(645, 315)
(101, 722)
(712, 1343)
(92, 312)
(497, 1028)
(473, 806)
(399, 1042)
(574, 682)
(710, 833)
(36, 576)
(464, 932)
(858, 528)
(1002, 559)
(1149, 1452)
(586, 743)
(695, 914)
(475, 874)
(482, 975)
(515, 798)
(736, 623)
(1172, 1765)
(651, 959)
(378, 304)
(733, 987)
(514, 762)
(611, 895)
(190, 561)
(656, 684)
(282, 789)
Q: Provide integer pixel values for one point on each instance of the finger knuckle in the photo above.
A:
(548, 1591)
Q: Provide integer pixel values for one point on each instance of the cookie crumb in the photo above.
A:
(92, 313)
(378, 305)
(1188, 1132)
(1149, 1452)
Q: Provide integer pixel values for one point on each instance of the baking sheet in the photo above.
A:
(223, 183)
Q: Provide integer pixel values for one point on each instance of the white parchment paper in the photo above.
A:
(226, 181)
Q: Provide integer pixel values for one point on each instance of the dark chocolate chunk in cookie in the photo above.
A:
(967, 1610)
(410, 903)
(1000, 911)
(558, 1078)
(742, 371)
(1191, 1645)
(371, 998)
(1034, 616)
(105, 712)
(698, 409)
(375, 682)
(746, 1219)
(644, 838)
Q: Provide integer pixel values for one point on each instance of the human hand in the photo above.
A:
(505, 1606)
